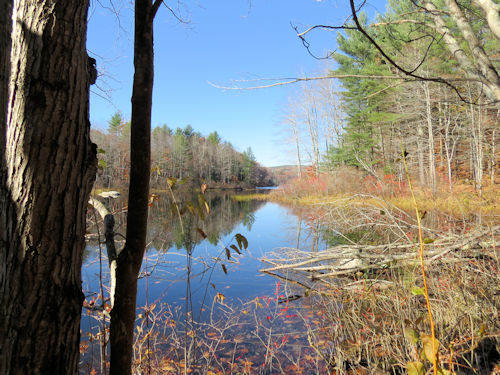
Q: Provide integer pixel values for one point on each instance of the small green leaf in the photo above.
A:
(183, 181)
(415, 368)
(411, 335)
(430, 352)
(101, 151)
(101, 164)
(429, 240)
(224, 268)
(417, 291)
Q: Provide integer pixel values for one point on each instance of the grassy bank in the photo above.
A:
(331, 190)
(370, 285)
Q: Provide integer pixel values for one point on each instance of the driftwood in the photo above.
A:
(345, 260)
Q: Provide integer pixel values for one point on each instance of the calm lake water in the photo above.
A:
(200, 311)
(189, 288)
(267, 226)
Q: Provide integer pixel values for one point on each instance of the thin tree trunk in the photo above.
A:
(299, 230)
(477, 146)
(130, 258)
(430, 139)
(478, 183)
(420, 154)
(297, 145)
(493, 156)
(449, 146)
(48, 165)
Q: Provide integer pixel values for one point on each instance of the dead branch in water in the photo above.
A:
(345, 260)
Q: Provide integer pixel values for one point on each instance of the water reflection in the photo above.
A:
(205, 236)
(183, 277)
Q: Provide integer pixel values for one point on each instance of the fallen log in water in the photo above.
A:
(345, 260)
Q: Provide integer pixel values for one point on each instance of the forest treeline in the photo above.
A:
(180, 153)
(445, 122)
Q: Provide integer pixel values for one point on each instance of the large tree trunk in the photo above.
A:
(5, 45)
(130, 258)
(48, 167)
(492, 12)
(479, 67)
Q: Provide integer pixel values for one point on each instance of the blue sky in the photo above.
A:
(224, 41)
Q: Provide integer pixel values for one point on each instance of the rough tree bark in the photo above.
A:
(48, 165)
(5, 46)
(130, 258)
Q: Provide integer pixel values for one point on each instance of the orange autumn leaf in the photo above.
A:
(246, 363)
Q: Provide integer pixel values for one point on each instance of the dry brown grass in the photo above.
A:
(369, 322)
(368, 311)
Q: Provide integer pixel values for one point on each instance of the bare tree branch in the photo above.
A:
(292, 80)
(328, 27)
(394, 63)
